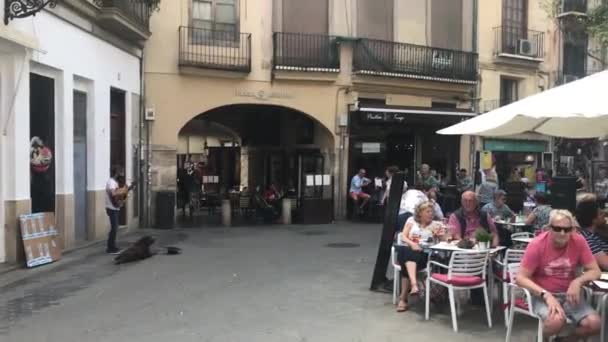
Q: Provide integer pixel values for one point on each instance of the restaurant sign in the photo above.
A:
(383, 117)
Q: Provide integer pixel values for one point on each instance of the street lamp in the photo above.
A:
(24, 8)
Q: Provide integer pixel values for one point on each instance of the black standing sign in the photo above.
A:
(388, 231)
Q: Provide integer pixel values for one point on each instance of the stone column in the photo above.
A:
(64, 159)
(98, 160)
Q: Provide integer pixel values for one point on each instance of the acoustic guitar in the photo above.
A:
(122, 193)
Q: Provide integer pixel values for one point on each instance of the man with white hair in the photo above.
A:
(549, 271)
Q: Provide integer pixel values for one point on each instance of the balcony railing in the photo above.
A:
(513, 40)
(569, 6)
(212, 49)
(305, 52)
(138, 11)
(385, 58)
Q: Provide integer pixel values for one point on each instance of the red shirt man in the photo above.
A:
(549, 270)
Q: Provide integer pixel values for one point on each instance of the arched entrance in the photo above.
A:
(239, 150)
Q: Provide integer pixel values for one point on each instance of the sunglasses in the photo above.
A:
(562, 229)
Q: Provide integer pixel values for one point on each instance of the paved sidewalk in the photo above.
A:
(230, 284)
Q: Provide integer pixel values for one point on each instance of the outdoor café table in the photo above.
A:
(452, 247)
(514, 227)
(522, 239)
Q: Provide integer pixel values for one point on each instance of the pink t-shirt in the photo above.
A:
(554, 269)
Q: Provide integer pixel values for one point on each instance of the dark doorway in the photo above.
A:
(117, 136)
(42, 133)
(80, 165)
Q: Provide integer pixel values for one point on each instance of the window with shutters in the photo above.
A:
(514, 23)
(214, 20)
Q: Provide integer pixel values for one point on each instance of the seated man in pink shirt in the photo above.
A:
(465, 221)
(549, 271)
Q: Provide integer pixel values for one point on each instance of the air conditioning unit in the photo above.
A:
(570, 78)
(150, 114)
(526, 47)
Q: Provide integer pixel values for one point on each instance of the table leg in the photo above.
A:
(603, 317)
(491, 284)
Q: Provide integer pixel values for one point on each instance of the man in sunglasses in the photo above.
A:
(549, 271)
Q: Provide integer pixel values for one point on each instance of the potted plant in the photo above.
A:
(483, 238)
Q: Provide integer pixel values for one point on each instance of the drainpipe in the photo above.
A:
(343, 131)
(143, 211)
(476, 89)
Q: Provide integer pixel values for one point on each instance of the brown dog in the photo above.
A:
(137, 251)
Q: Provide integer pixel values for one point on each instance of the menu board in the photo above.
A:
(40, 238)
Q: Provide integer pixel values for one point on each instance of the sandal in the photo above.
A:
(415, 293)
(402, 306)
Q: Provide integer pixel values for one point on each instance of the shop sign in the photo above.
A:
(515, 145)
(383, 117)
(263, 94)
(370, 148)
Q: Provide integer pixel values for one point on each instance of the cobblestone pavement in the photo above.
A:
(296, 283)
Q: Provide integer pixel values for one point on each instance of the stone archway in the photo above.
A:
(273, 144)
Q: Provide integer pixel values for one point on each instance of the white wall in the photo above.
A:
(70, 53)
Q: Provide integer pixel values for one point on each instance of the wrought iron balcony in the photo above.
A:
(305, 52)
(385, 58)
(512, 41)
(128, 18)
(572, 6)
(212, 49)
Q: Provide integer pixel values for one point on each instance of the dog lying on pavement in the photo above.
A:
(141, 249)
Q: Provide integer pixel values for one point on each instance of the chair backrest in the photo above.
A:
(468, 264)
(293, 202)
(513, 269)
(244, 201)
(399, 238)
(513, 256)
(522, 235)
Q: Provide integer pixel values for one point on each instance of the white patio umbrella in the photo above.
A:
(575, 110)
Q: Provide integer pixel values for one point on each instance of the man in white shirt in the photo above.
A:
(113, 208)
(390, 171)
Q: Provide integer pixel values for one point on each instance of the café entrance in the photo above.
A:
(238, 152)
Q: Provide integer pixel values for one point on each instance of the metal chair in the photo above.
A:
(521, 302)
(522, 235)
(512, 256)
(397, 271)
(467, 270)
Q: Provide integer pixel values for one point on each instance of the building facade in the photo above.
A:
(517, 53)
(70, 86)
(579, 55)
(303, 93)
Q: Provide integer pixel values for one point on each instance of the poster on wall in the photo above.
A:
(40, 238)
(485, 160)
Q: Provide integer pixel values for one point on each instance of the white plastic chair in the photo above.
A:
(396, 275)
(523, 304)
(397, 271)
(466, 271)
(522, 235)
(519, 304)
(502, 275)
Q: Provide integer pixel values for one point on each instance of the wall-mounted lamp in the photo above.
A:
(24, 8)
